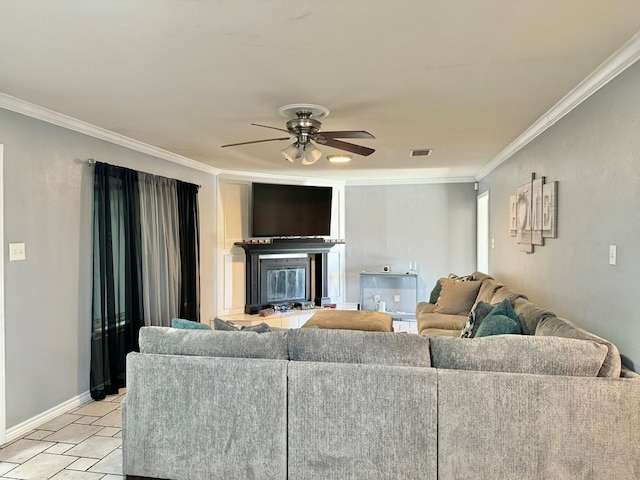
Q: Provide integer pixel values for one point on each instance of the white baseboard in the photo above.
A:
(28, 425)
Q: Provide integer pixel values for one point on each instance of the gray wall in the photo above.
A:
(48, 206)
(434, 225)
(594, 154)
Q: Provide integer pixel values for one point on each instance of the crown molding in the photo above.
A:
(617, 63)
(410, 181)
(237, 175)
(55, 118)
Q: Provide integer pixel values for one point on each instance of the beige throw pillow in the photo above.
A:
(457, 298)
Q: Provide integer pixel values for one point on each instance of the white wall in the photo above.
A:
(48, 193)
(594, 154)
(434, 225)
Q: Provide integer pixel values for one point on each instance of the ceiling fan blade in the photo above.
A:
(347, 134)
(349, 147)
(267, 126)
(255, 141)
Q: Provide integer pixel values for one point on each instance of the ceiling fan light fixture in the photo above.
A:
(290, 153)
(311, 154)
(340, 158)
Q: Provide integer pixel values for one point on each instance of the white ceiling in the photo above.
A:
(464, 77)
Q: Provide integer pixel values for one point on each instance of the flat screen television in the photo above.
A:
(290, 210)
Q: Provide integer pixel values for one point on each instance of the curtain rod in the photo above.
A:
(92, 162)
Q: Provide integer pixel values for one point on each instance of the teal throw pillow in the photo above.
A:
(477, 314)
(498, 325)
(435, 293)
(188, 324)
(505, 308)
(500, 321)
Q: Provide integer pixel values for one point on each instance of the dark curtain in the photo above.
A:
(117, 304)
(189, 225)
(118, 287)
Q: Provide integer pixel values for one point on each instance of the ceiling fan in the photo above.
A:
(304, 127)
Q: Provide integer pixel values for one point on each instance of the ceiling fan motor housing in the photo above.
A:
(303, 127)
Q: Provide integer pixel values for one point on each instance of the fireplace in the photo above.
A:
(288, 270)
(284, 278)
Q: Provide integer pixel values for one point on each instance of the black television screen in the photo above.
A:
(290, 210)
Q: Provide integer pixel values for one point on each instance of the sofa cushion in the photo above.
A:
(351, 320)
(353, 346)
(559, 327)
(213, 343)
(505, 293)
(440, 322)
(519, 354)
(457, 298)
(188, 324)
(488, 289)
(476, 315)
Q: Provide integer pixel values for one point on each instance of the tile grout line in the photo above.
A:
(60, 448)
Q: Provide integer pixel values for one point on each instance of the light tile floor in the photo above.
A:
(83, 444)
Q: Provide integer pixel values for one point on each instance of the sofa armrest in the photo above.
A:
(560, 327)
(424, 307)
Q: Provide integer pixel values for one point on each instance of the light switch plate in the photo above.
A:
(16, 252)
(612, 254)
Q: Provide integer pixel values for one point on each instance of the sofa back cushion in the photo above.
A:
(213, 343)
(356, 346)
(529, 314)
(488, 289)
(457, 298)
(505, 293)
(559, 327)
(519, 354)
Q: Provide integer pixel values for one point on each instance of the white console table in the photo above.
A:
(398, 291)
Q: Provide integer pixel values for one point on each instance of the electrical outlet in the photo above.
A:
(612, 254)
(16, 252)
(396, 298)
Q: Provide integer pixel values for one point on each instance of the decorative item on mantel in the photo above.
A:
(533, 213)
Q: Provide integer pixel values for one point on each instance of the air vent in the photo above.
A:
(425, 152)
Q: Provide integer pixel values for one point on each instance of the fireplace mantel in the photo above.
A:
(316, 249)
(288, 246)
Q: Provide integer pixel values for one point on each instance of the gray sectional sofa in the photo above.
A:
(447, 316)
(340, 404)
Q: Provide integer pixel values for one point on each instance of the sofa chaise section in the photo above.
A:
(362, 405)
(361, 422)
(190, 415)
(532, 427)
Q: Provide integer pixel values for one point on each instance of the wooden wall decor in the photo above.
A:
(533, 213)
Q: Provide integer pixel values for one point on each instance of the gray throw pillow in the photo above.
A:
(219, 324)
(476, 315)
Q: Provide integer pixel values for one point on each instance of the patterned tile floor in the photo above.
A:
(83, 444)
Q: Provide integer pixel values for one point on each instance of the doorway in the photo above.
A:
(482, 242)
